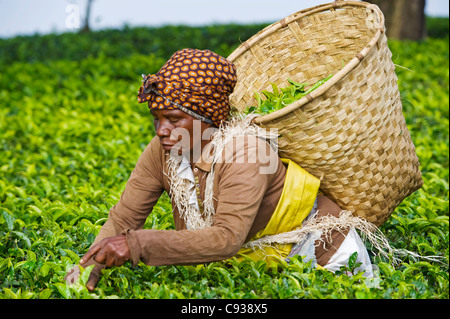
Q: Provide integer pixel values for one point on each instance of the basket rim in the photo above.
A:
(247, 45)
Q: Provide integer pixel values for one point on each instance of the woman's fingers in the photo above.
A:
(91, 252)
(111, 251)
(94, 277)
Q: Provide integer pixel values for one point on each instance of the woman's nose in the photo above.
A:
(163, 129)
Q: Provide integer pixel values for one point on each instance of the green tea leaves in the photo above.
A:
(280, 97)
(8, 219)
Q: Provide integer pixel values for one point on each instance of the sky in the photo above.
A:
(26, 17)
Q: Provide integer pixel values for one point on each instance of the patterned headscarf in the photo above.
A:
(197, 82)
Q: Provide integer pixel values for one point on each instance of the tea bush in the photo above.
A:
(71, 131)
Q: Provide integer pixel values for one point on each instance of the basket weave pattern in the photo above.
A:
(350, 132)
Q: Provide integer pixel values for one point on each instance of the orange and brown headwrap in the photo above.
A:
(197, 82)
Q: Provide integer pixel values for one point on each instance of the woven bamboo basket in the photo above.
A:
(350, 132)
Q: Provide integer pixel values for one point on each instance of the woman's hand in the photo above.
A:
(111, 251)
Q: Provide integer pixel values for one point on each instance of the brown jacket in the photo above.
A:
(244, 202)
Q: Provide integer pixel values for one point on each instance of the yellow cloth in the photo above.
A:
(296, 202)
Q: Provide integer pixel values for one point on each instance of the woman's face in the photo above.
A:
(178, 129)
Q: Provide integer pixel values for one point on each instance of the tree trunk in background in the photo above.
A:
(86, 27)
(405, 19)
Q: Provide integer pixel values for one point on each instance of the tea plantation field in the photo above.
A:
(71, 132)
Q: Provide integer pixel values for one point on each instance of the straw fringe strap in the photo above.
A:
(180, 195)
(326, 224)
(240, 125)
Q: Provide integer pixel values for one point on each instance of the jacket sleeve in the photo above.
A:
(142, 191)
(241, 188)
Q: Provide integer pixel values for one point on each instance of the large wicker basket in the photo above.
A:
(350, 132)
